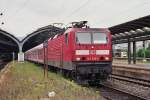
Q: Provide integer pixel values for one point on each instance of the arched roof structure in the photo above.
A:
(39, 36)
(8, 42)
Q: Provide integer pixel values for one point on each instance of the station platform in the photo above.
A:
(135, 66)
(138, 71)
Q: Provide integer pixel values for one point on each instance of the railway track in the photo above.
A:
(131, 79)
(112, 93)
(132, 88)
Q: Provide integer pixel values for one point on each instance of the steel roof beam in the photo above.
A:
(132, 25)
(142, 23)
(123, 28)
(139, 31)
(122, 34)
(7, 43)
(147, 29)
(120, 29)
(138, 34)
(131, 40)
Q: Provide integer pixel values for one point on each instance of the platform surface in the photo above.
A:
(138, 66)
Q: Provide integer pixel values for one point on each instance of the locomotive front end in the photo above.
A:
(92, 55)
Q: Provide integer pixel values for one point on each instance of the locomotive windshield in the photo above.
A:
(91, 38)
(83, 38)
(99, 38)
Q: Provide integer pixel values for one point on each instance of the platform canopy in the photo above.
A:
(39, 36)
(135, 30)
(8, 42)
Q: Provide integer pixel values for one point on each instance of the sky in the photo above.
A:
(21, 17)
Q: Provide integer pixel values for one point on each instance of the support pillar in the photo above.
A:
(13, 57)
(20, 54)
(144, 58)
(129, 52)
(134, 52)
(113, 49)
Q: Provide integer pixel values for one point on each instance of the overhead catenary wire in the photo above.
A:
(128, 10)
(19, 9)
(109, 17)
(23, 6)
(77, 9)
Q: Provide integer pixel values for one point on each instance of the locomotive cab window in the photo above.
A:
(91, 38)
(66, 38)
(83, 38)
(99, 38)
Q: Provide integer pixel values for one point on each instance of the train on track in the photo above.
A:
(81, 52)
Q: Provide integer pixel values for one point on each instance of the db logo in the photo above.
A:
(93, 52)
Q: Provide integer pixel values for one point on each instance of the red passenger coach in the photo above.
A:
(86, 53)
(35, 54)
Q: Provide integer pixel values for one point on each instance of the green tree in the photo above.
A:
(147, 53)
(140, 53)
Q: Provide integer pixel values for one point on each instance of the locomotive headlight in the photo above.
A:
(106, 58)
(78, 59)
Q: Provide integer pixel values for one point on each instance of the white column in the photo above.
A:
(20, 54)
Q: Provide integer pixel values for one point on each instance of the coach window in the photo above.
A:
(66, 38)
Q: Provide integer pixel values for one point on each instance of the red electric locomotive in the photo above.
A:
(85, 53)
